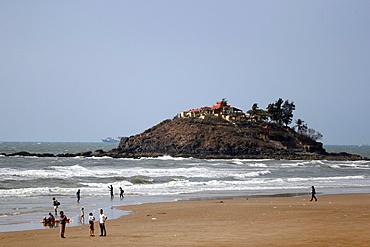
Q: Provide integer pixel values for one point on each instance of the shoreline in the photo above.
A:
(340, 219)
(342, 156)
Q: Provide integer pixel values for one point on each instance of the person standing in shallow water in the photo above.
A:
(121, 191)
(82, 216)
(78, 195)
(111, 191)
(56, 205)
(313, 193)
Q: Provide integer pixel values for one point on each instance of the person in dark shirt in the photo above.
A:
(313, 193)
(121, 191)
(111, 191)
(78, 194)
(56, 205)
(63, 222)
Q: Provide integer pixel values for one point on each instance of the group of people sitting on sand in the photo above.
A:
(49, 220)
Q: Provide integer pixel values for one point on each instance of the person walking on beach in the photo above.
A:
(91, 224)
(56, 205)
(78, 194)
(63, 222)
(111, 191)
(121, 191)
(102, 219)
(313, 193)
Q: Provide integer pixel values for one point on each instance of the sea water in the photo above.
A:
(27, 184)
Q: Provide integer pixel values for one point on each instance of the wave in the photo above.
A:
(137, 185)
(165, 157)
(99, 158)
(251, 174)
(141, 180)
(25, 192)
(361, 177)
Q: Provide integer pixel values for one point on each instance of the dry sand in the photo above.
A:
(334, 220)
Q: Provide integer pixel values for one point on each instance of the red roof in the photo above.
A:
(218, 105)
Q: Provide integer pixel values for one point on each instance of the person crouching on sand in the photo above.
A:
(91, 224)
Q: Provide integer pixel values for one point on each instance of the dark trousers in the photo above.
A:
(102, 230)
(313, 197)
(62, 230)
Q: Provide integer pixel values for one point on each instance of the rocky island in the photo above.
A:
(222, 131)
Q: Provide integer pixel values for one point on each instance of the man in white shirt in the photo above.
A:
(102, 219)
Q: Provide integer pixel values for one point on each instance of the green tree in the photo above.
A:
(281, 112)
(257, 114)
(275, 111)
(287, 108)
(313, 134)
(300, 126)
(302, 129)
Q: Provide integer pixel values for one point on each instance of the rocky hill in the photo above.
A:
(218, 138)
(214, 138)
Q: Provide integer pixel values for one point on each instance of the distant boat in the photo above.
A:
(364, 145)
(112, 139)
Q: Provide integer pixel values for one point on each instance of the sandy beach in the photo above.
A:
(334, 220)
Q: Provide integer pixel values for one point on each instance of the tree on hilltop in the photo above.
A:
(281, 112)
(301, 128)
(288, 108)
(257, 114)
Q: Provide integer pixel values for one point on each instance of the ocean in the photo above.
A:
(27, 184)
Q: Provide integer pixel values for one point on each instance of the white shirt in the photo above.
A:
(102, 218)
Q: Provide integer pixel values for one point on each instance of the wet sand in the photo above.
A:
(334, 220)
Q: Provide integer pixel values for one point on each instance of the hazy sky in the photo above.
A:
(85, 70)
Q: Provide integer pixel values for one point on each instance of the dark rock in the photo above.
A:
(218, 138)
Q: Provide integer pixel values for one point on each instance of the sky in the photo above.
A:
(84, 70)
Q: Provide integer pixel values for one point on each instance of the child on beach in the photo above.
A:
(82, 217)
(91, 224)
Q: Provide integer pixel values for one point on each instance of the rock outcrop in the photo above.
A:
(218, 138)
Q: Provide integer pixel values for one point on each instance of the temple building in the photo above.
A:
(220, 109)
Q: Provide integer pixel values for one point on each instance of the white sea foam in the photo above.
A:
(257, 165)
(237, 161)
(165, 157)
(251, 174)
